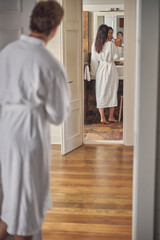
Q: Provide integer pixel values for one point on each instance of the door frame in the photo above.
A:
(129, 78)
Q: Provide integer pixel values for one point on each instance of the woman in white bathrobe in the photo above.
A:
(104, 53)
(33, 93)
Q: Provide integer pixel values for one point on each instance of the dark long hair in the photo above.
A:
(101, 37)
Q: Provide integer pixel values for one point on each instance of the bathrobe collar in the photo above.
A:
(33, 40)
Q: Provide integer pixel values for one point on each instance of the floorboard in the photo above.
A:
(91, 188)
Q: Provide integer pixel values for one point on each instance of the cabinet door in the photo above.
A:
(72, 136)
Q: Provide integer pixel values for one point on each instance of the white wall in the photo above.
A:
(147, 65)
(157, 183)
(101, 7)
(103, 2)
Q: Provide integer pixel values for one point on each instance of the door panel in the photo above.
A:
(14, 19)
(73, 62)
(72, 136)
(8, 5)
(7, 36)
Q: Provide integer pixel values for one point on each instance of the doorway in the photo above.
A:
(74, 126)
(94, 131)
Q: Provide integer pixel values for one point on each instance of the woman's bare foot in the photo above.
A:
(104, 122)
(3, 230)
(16, 237)
(113, 120)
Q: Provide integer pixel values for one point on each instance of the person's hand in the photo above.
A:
(118, 42)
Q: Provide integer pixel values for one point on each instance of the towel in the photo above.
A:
(87, 73)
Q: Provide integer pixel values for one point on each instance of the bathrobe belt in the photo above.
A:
(20, 107)
(105, 62)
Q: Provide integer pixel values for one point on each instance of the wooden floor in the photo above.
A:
(92, 192)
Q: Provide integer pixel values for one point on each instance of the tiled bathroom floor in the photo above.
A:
(98, 131)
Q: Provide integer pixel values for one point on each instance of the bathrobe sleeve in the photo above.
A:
(116, 52)
(57, 104)
(94, 61)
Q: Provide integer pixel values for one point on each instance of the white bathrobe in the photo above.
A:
(33, 92)
(103, 67)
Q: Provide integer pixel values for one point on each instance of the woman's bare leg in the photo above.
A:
(111, 117)
(3, 230)
(16, 237)
(103, 119)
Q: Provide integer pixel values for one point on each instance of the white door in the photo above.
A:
(72, 130)
(14, 20)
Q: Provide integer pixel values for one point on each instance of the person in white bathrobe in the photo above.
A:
(104, 53)
(33, 93)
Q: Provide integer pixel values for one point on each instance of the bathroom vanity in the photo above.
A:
(91, 113)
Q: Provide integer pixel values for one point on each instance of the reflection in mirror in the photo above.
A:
(93, 130)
